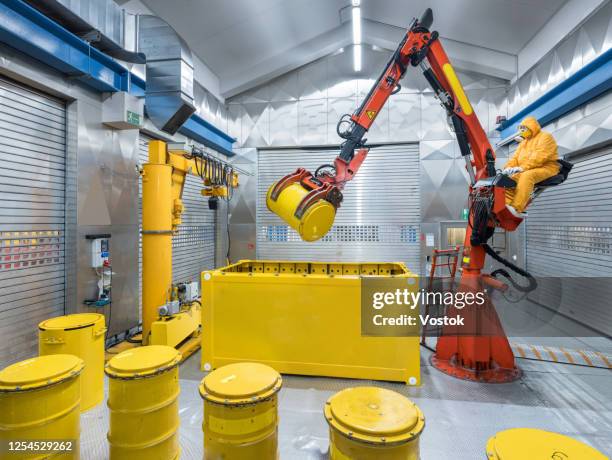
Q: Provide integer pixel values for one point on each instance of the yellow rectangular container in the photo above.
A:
(304, 322)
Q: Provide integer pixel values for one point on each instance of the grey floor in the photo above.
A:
(460, 415)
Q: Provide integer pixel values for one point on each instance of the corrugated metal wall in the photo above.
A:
(569, 238)
(32, 189)
(193, 248)
(378, 220)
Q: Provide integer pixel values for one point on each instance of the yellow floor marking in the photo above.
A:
(567, 355)
(552, 355)
(604, 359)
(535, 352)
(586, 358)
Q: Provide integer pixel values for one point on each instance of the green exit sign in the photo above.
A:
(133, 118)
(465, 214)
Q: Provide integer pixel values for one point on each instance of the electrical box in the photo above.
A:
(99, 252)
(189, 292)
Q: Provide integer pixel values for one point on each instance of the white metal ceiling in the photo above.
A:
(233, 36)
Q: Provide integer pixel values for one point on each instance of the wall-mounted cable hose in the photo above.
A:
(480, 213)
(216, 173)
(533, 284)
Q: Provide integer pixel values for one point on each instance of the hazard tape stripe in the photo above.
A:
(586, 358)
(552, 354)
(604, 359)
(569, 357)
(562, 355)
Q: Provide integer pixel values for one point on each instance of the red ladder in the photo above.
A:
(450, 259)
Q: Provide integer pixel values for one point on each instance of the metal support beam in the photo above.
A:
(589, 82)
(29, 31)
(200, 130)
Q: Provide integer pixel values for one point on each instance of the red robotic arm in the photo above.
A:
(483, 356)
(419, 48)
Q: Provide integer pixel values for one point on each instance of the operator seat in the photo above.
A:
(564, 171)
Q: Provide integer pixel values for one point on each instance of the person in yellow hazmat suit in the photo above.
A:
(534, 161)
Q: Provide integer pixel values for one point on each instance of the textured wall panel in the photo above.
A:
(336, 108)
(210, 108)
(312, 80)
(312, 122)
(583, 45)
(242, 207)
(434, 124)
(283, 123)
(405, 117)
(444, 181)
(284, 88)
(255, 124)
(32, 216)
(338, 67)
(584, 127)
(329, 85)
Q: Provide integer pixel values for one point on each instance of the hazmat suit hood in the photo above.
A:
(533, 125)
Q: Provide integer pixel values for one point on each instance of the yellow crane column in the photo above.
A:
(157, 229)
(163, 181)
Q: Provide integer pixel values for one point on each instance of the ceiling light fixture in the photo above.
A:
(356, 17)
(357, 58)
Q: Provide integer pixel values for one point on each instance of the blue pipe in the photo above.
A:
(586, 84)
(200, 130)
(31, 32)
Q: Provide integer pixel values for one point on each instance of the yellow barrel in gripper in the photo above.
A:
(370, 423)
(39, 401)
(316, 221)
(143, 403)
(241, 412)
(526, 443)
(81, 335)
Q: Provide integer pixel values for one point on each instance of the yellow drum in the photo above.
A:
(241, 412)
(370, 423)
(316, 221)
(533, 444)
(143, 403)
(39, 400)
(80, 335)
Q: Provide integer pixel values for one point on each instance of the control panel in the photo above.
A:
(99, 252)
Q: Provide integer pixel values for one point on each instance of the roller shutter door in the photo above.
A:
(193, 247)
(569, 239)
(32, 189)
(378, 220)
